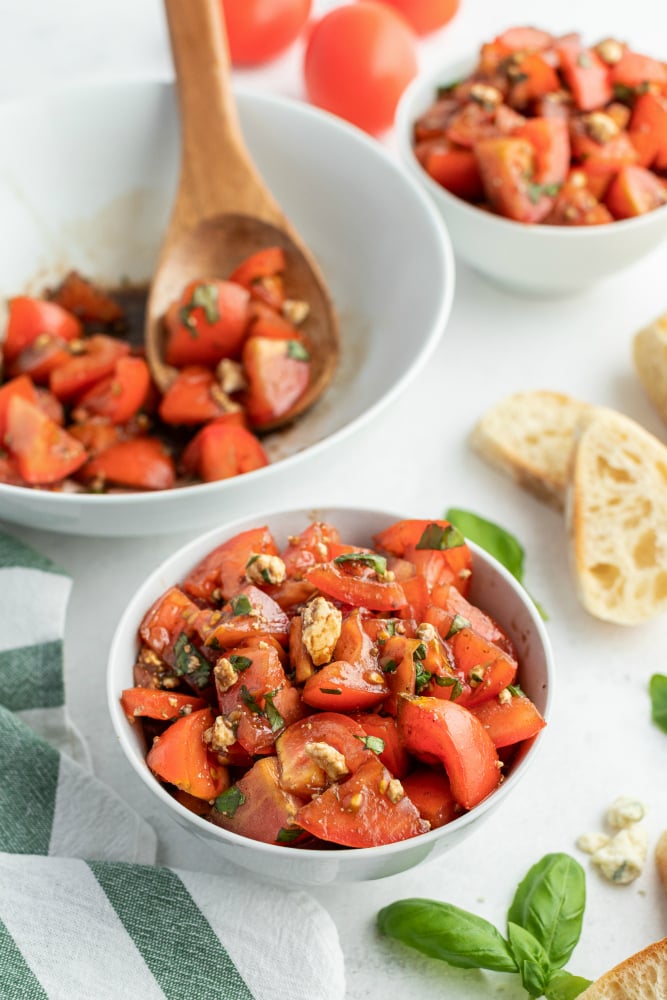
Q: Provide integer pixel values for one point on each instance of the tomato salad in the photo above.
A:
(80, 412)
(549, 130)
(328, 695)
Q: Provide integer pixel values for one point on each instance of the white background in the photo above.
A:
(415, 458)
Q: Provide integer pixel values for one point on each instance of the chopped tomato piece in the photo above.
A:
(454, 167)
(507, 166)
(39, 358)
(445, 731)
(181, 757)
(223, 572)
(223, 449)
(22, 386)
(536, 77)
(525, 39)
(140, 463)
(648, 130)
(634, 191)
(96, 434)
(318, 750)
(152, 703)
(96, 359)
(310, 547)
(485, 667)
(366, 810)
(256, 806)
(248, 673)
(44, 452)
(194, 397)
(120, 395)
(172, 616)
(431, 792)
(29, 318)
(587, 76)
(278, 373)
(249, 612)
(634, 70)
(551, 142)
(207, 323)
(369, 592)
(261, 274)
(345, 687)
(87, 302)
(509, 721)
(383, 728)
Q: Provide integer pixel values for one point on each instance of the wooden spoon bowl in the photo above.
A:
(223, 211)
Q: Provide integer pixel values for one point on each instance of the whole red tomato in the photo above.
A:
(359, 59)
(426, 15)
(258, 30)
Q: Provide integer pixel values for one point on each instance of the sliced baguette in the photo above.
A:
(529, 437)
(616, 516)
(649, 349)
(643, 976)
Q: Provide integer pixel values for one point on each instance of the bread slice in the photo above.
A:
(641, 977)
(616, 516)
(649, 349)
(529, 436)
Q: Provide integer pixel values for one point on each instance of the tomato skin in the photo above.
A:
(181, 757)
(265, 807)
(508, 723)
(259, 30)
(426, 15)
(225, 566)
(444, 731)
(300, 774)
(210, 333)
(44, 452)
(140, 463)
(377, 48)
(29, 317)
(153, 703)
(335, 583)
(359, 813)
(432, 794)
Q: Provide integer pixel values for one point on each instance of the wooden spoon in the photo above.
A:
(223, 211)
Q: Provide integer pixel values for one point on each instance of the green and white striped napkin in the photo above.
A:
(84, 913)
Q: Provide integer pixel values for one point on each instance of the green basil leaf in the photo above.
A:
(240, 662)
(531, 958)
(498, 542)
(297, 351)
(458, 622)
(378, 563)
(422, 678)
(228, 802)
(658, 693)
(190, 662)
(563, 985)
(453, 682)
(250, 701)
(374, 743)
(448, 933)
(287, 835)
(549, 903)
(436, 537)
(276, 720)
(240, 605)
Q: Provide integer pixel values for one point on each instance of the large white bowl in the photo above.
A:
(494, 589)
(87, 177)
(537, 260)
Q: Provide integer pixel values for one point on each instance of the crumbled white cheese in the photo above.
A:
(624, 811)
(321, 627)
(225, 674)
(592, 842)
(331, 761)
(622, 859)
(262, 568)
(221, 735)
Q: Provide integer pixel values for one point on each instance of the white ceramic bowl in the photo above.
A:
(99, 202)
(493, 588)
(535, 260)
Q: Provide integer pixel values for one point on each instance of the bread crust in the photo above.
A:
(649, 351)
(642, 976)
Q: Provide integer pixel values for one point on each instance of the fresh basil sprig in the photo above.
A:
(544, 923)
(658, 693)
(497, 541)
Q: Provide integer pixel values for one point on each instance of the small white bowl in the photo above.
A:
(494, 589)
(537, 260)
(99, 202)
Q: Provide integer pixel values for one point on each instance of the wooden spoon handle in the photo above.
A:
(217, 174)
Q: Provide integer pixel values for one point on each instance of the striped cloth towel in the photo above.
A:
(84, 912)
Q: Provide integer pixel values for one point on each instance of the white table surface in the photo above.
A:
(601, 742)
